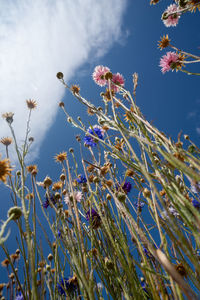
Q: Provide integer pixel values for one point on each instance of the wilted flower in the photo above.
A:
(8, 117)
(93, 216)
(171, 17)
(95, 130)
(99, 75)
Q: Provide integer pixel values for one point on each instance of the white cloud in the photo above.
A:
(38, 38)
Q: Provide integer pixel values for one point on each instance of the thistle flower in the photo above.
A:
(31, 104)
(5, 169)
(99, 75)
(93, 216)
(8, 117)
(6, 141)
(95, 130)
(170, 16)
(169, 62)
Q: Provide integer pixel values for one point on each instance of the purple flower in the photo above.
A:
(93, 216)
(81, 179)
(127, 187)
(46, 203)
(95, 130)
(196, 203)
(65, 284)
(139, 205)
(19, 297)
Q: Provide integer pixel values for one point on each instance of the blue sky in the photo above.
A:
(122, 36)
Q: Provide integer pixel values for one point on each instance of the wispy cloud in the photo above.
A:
(38, 39)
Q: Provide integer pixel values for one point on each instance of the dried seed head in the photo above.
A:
(31, 168)
(59, 75)
(57, 186)
(108, 197)
(31, 104)
(121, 196)
(47, 181)
(129, 173)
(62, 177)
(5, 263)
(50, 257)
(146, 193)
(6, 141)
(14, 212)
(61, 104)
(5, 169)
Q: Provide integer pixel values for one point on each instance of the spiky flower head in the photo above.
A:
(164, 42)
(61, 157)
(5, 169)
(75, 89)
(9, 117)
(31, 104)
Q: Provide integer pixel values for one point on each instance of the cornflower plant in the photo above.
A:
(125, 217)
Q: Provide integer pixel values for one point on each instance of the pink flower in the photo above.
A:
(118, 79)
(172, 20)
(77, 194)
(98, 75)
(168, 61)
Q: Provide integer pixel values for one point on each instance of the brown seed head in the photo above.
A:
(61, 104)
(59, 75)
(29, 196)
(47, 181)
(2, 286)
(31, 104)
(90, 111)
(62, 177)
(5, 263)
(130, 172)
(50, 257)
(6, 141)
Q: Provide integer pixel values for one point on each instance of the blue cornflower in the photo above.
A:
(196, 203)
(59, 233)
(81, 179)
(65, 284)
(46, 203)
(95, 130)
(19, 297)
(126, 187)
(93, 215)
